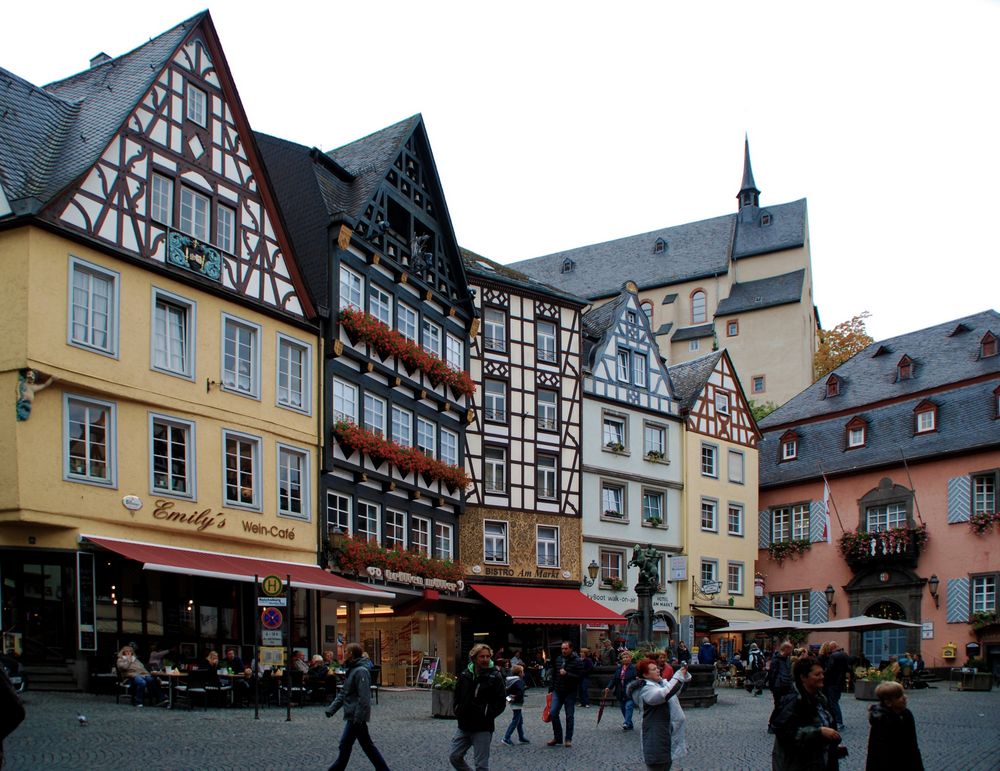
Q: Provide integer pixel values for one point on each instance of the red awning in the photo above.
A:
(229, 566)
(541, 605)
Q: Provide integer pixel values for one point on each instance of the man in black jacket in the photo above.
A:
(480, 696)
(779, 678)
(836, 673)
(566, 676)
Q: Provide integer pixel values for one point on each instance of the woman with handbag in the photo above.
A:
(618, 686)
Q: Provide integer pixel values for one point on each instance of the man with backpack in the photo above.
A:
(480, 696)
(755, 671)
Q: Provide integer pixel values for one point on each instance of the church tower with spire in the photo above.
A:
(749, 195)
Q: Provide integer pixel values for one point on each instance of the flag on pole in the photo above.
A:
(827, 530)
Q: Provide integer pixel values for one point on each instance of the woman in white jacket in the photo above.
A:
(652, 693)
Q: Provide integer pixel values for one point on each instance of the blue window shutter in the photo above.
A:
(818, 612)
(817, 518)
(764, 530)
(958, 600)
(959, 499)
(764, 604)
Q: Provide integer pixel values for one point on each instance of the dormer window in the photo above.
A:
(568, 266)
(904, 369)
(832, 386)
(789, 446)
(765, 220)
(988, 346)
(660, 246)
(925, 417)
(857, 434)
(882, 351)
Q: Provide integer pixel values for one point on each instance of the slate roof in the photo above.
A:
(482, 267)
(763, 293)
(694, 250)
(693, 333)
(689, 378)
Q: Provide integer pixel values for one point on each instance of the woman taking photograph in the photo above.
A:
(651, 692)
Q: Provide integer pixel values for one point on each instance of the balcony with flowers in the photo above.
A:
(900, 546)
(387, 342)
(355, 555)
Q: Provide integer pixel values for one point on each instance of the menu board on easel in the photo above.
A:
(86, 601)
(428, 668)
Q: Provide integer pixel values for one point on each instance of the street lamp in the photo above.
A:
(830, 604)
(592, 569)
(933, 584)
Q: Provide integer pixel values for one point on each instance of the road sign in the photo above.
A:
(272, 586)
(268, 601)
(270, 618)
(271, 637)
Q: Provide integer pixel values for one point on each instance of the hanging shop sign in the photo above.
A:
(401, 577)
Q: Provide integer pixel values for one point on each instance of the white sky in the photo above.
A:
(557, 124)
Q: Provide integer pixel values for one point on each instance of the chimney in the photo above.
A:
(98, 60)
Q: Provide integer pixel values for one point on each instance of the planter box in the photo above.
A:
(980, 681)
(442, 703)
(864, 690)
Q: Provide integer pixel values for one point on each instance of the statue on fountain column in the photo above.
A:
(648, 561)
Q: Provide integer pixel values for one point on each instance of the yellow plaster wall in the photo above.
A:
(15, 269)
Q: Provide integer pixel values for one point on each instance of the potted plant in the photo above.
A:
(867, 680)
(443, 695)
(617, 584)
(612, 513)
(615, 446)
(654, 455)
(654, 521)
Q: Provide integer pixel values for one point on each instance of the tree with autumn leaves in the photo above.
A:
(839, 344)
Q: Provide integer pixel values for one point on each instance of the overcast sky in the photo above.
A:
(559, 124)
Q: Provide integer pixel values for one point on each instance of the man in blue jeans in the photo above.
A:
(566, 676)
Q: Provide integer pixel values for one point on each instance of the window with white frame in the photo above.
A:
(790, 523)
(402, 426)
(546, 475)
(173, 333)
(351, 288)
(406, 322)
(90, 428)
(653, 506)
(709, 571)
(547, 546)
(886, 517)
(449, 447)
(225, 228)
(984, 594)
(926, 420)
(734, 577)
(856, 434)
(240, 357)
(654, 441)
(195, 209)
(789, 448)
(93, 317)
(545, 341)
(421, 540)
(790, 606)
(293, 374)
(984, 493)
(615, 437)
(694, 345)
(442, 541)
(242, 470)
(757, 384)
(495, 400)
(345, 400)
(494, 330)
(624, 359)
(426, 437)
(710, 514)
(380, 304)
(699, 305)
(338, 513)
(431, 337)
(196, 105)
(369, 515)
(709, 460)
(161, 199)
(612, 565)
(495, 476)
(395, 529)
(375, 414)
(172, 463)
(613, 501)
(293, 482)
(640, 363)
(495, 542)
(454, 352)
(735, 464)
(722, 402)
(735, 517)
(547, 409)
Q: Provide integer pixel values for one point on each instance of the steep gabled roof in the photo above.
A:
(763, 293)
(478, 266)
(787, 230)
(689, 377)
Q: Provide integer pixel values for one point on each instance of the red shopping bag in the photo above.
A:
(548, 708)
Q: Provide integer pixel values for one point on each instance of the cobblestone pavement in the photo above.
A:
(958, 730)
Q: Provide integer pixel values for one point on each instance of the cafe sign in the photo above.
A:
(401, 577)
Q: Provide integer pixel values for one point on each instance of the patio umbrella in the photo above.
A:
(860, 623)
(771, 625)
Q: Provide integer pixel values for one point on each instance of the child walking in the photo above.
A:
(515, 695)
(892, 742)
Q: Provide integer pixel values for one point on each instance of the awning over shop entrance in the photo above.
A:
(168, 559)
(541, 605)
(732, 614)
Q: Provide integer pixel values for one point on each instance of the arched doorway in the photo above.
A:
(879, 645)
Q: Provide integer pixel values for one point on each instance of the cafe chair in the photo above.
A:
(376, 680)
(193, 688)
(124, 688)
(219, 688)
(292, 686)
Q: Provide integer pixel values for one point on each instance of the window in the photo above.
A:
(380, 305)
(351, 285)
(612, 565)
(624, 365)
(494, 330)
(789, 447)
(406, 322)
(495, 400)
(431, 334)
(172, 456)
(546, 476)
(173, 332)
(792, 606)
(547, 546)
(757, 384)
(988, 346)
(454, 352)
(240, 357)
(338, 513)
(421, 541)
(426, 437)
(652, 506)
(984, 594)
(631, 317)
(613, 500)
(225, 228)
(402, 426)
(293, 374)
(732, 328)
(442, 541)
(93, 317)
(495, 542)
(904, 369)
(984, 494)
(734, 577)
(545, 341)
(735, 519)
(709, 514)
(654, 441)
(197, 102)
(567, 266)
(547, 405)
(790, 523)
(699, 304)
(709, 571)
(449, 447)
(709, 460)
(925, 416)
(395, 529)
(735, 466)
(161, 200)
(374, 414)
(856, 433)
(614, 433)
(722, 403)
(639, 364)
(345, 401)
(90, 441)
(368, 521)
(885, 517)
(694, 345)
(495, 480)
(765, 220)
(242, 470)
(832, 386)
(194, 214)
(293, 482)
(647, 308)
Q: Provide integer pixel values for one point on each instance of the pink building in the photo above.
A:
(879, 482)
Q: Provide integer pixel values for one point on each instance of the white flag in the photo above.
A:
(827, 530)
